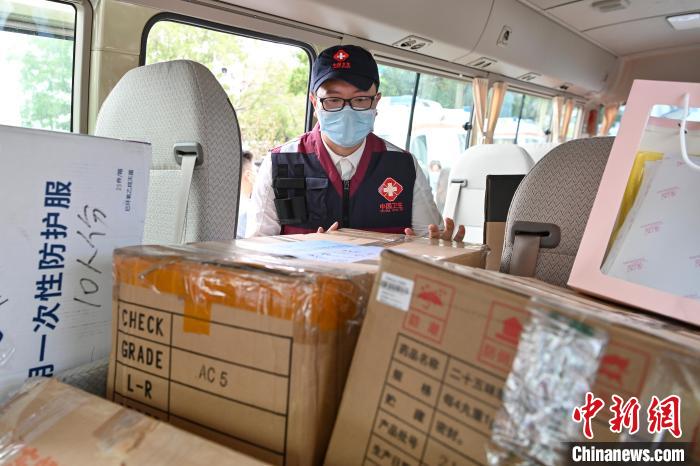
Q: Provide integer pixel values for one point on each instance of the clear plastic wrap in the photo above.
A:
(246, 348)
(679, 375)
(555, 366)
(48, 423)
(569, 348)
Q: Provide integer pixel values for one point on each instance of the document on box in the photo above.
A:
(69, 201)
(658, 244)
(320, 250)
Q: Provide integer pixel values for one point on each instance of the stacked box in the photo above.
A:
(243, 348)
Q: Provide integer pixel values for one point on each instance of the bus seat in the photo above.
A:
(550, 209)
(90, 377)
(183, 112)
(538, 150)
(467, 183)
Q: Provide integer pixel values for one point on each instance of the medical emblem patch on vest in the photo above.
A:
(390, 189)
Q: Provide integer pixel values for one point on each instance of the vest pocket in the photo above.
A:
(316, 189)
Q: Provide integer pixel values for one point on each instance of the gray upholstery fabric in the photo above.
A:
(560, 189)
(180, 101)
(91, 377)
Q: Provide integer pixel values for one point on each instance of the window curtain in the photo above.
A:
(497, 96)
(568, 111)
(480, 87)
(592, 123)
(557, 110)
(609, 114)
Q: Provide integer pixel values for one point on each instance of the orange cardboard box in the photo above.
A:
(50, 423)
(243, 348)
(453, 362)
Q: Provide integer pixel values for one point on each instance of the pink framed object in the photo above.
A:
(586, 275)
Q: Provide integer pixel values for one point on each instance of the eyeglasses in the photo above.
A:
(336, 104)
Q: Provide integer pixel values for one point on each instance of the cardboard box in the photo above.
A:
(321, 244)
(428, 381)
(49, 423)
(68, 201)
(246, 349)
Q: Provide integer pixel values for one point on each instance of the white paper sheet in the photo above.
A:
(321, 250)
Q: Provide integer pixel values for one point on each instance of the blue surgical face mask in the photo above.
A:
(348, 127)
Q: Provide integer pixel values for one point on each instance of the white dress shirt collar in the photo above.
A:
(353, 158)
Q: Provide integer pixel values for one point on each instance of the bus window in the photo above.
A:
(267, 82)
(394, 109)
(535, 120)
(36, 58)
(524, 119)
(574, 123)
(443, 106)
(616, 122)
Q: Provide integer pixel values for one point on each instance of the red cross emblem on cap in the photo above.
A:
(390, 189)
(341, 55)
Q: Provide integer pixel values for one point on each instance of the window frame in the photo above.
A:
(80, 69)
(219, 27)
(81, 65)
(528, 93)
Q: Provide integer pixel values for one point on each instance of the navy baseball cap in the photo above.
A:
(348, 63)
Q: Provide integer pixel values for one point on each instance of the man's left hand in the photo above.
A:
(448, 234)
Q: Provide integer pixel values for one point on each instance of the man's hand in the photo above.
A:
(435, 233)
(331, 228)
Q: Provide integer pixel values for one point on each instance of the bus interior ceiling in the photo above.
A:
(586, 51)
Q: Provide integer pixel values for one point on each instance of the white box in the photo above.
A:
(67, 201)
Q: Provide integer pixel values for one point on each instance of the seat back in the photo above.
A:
(537, 151)
(467, 184)
(179, 106)
(555, 198)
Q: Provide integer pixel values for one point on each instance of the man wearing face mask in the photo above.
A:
(340, 174)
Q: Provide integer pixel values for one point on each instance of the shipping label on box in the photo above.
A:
(69, 200)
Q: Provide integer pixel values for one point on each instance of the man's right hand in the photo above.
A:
(448, 234)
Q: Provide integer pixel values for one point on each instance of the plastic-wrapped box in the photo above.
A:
(247, 349)
(51, 424)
